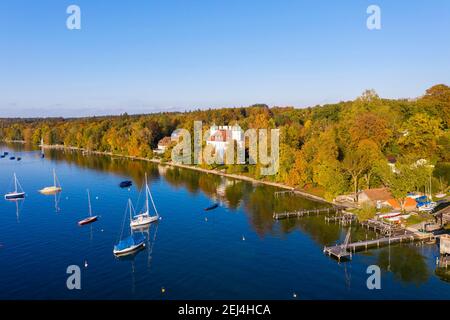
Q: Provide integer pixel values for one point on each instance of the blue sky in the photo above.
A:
(152, 55)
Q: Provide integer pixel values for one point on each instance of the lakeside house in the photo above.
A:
(409, 205)
(382, 197)
(163, 144)
(221, 136)
(375, 197)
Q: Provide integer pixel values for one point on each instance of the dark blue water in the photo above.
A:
(235, 252)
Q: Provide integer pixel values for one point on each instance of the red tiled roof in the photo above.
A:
(409, 203)
(378, 194)
(220, 135)
(165, 141)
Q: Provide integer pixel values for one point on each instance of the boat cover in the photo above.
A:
(130, 241)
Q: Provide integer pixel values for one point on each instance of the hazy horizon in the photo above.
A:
(152, 56)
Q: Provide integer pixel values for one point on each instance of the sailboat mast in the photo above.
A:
(54, 178)
(89, 200)
(431, 193)
(146, 194)
(15, 183)
(130, 206)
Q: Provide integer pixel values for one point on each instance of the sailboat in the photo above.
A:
(91, 218)
(53, 189)
(18, 191)
(145, 218)
(133, 242)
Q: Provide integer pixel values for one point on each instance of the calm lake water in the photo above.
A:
(234, 252)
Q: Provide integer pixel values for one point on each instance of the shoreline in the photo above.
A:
(190, 167)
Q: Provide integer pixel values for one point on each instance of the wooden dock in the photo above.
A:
(382, 227)
(302, 213)
(443, 215)
(340, 251)
(345, 250)
(285, 192)
(345, 218)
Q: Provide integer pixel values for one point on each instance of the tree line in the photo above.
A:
(330, 149)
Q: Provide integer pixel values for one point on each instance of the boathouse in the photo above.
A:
(376, 197)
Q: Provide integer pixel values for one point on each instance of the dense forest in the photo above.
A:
(330, 149)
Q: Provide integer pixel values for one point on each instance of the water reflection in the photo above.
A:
(150, 232)
(254, 202)
(406, 263)
(259, 201)
(18, 204)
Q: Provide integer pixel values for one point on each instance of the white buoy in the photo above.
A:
(294, 295)
(160, 218)
(163, 290)
(85, 264)
(206, 219)
(102, 230)
(243, 238)
(96, 198)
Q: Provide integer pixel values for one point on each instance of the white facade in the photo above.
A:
(218, 136)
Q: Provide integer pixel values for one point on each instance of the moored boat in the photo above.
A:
(214, 206)
(145, 218)
(132, 243)
(52, 189)
(91, 218)
(18, 192)
(126, 184)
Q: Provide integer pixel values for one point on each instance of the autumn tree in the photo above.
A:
(420, 135)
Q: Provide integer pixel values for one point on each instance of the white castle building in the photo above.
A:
(221, 136)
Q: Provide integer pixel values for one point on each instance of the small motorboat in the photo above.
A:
(214, 206)
(427, 207)
(126, 184)
(12, 158)
(19, 158)
(389, 215)
(18, 192)
(2, 156)
(91, 218)
(5, 153)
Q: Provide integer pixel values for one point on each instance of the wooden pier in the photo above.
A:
(340, 251)
(345, 250)
(443, 215)
(384, 228)
(282, 193)
(344, 218)
(302, 213)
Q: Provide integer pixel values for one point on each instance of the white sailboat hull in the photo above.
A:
(142, 220)
(50, 190)
(14, 195)
(128, 250)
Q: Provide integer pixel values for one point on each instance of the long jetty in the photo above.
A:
(302, 213)
(345, 250)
